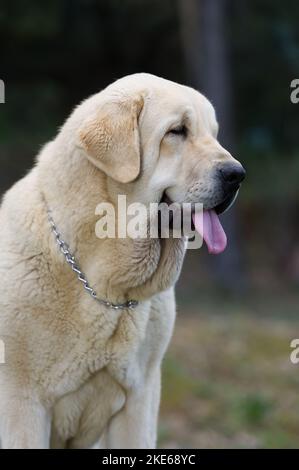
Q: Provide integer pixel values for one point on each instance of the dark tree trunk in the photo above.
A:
(206, 49)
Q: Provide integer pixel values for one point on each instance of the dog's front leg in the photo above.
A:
(24, 424)
(135, 427)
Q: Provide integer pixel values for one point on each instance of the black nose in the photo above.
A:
(232, 173)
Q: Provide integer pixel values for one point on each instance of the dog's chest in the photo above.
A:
(127, 344)
(138, 342)
(130, 355)
(141, 341)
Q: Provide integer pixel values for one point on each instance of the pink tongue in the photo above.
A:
(208, 225)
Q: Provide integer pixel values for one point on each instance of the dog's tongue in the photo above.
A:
(208, 225)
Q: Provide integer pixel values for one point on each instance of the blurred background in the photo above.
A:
(228, 380)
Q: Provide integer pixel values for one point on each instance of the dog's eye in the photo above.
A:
(180, 131)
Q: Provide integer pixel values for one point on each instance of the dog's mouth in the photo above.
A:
(207, 222)
(227, 203)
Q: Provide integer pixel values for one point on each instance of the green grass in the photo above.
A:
(228, 381)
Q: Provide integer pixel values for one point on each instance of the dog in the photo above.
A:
(83, 359)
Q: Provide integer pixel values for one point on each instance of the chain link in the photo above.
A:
(70, 259)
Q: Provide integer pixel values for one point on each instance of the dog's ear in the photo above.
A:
(110, 138)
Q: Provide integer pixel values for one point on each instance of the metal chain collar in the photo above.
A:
(70, 259)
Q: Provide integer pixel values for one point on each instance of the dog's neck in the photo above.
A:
(72, 188)
(133, 269)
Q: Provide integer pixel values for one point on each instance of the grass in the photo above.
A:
(228, 381)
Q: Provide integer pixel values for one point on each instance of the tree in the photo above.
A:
(206, 49)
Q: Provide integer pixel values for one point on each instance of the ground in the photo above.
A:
(228, 380)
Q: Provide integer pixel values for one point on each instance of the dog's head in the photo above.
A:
(157, 140)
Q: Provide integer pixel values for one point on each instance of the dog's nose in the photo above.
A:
(232, 173)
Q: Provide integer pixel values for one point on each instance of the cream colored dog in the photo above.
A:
(78, 373)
